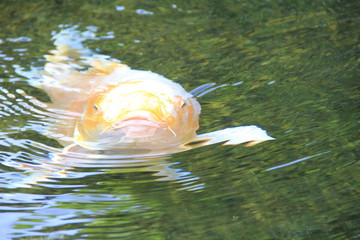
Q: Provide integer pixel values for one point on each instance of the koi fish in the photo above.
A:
(116, 108)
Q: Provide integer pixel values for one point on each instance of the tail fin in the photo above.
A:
(69, 47)
(71, 56)
(69, 61)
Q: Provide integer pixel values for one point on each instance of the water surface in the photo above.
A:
(289, 67)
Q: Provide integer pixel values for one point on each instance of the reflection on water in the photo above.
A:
(287, 66)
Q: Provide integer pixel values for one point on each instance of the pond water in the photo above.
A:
(289, 67)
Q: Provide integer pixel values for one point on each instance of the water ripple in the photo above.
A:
(36, 163)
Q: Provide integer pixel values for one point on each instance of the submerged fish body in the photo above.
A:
(117, 108)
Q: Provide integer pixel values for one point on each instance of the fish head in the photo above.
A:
(138, 114)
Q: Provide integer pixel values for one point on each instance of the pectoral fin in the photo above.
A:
(251, 135)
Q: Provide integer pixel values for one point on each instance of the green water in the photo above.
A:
(291, 67)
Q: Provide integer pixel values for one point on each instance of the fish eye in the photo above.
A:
(183, 104)
(96, 108)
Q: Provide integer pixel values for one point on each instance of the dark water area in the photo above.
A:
(289, 67)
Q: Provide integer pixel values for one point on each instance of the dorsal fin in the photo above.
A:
(67, 54)
(103, 67)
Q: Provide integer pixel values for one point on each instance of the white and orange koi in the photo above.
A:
(118, 108)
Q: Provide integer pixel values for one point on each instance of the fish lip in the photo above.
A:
(137, 127)
(136, 121)
(139, 118)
